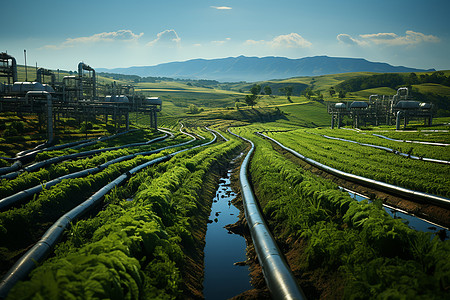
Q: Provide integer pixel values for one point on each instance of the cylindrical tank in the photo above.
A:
(48, 88)
(153, 101)
(407, 105)
(117, 98)
(359, 105)
(24, 87)
(425, 105)
(340, 105)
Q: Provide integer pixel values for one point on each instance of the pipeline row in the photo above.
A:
(404, 192)
(414, 142)
(277, 274)
(28, 155)
(58, 159)
(43, 247)
(28, 193)
(439, 161)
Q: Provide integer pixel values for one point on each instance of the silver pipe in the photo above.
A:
(42, 248)
(438, 200)
(277, 274)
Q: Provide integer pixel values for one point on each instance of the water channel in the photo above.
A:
(223, 279)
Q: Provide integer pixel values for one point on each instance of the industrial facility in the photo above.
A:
(75, 96)
(382, 110)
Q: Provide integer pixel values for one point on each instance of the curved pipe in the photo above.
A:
(415, 142)
(439, 161)
(42, 248)
(28, 193)
(58, 159)
(15, 166)
(218, 133)
(82, 66)
(41, 72)
(277, 274)
(438, 200)
(6, 56)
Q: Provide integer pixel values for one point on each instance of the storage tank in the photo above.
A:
(340, 106)
(24, 87)
(117, 98)
(425, 105)
(359, 105)
(407, 105)
(48, 88)
(153, 101)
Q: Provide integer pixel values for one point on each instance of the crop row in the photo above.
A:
(421, 150)
(133, 249)
(30, 219)
(29, 179)
(371, 163)
(344, 248)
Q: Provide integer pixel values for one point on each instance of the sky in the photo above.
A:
(58, 34)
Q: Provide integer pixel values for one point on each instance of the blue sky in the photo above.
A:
(108, 34)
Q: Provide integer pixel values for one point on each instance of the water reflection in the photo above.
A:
(224, 279)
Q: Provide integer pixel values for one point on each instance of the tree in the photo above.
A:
(342, 94)
(256, 89)
(267, 90)
(332, 91)
(287, 91)
(193, 109)
(308, 92)
(250, 100)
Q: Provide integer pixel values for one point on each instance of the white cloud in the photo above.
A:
(168, 36)
(120, 35)
(389, 39)
(347, 39)
(292, 40)
(221, 42)
(222, 7)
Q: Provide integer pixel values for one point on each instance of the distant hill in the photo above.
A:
(244, 68)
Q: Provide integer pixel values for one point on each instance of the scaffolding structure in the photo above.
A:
(73, 97)
(382, 110)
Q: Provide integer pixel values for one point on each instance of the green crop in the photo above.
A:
(373, 255)
(133, 249)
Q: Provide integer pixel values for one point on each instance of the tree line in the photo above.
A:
(392, 80)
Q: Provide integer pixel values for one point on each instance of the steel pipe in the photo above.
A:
(39, 251)
(437, 200)
(277, 274)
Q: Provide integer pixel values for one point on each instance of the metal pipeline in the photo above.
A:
(82, 66)
(218, 133)
(4, 56)
(41, 72)
(28, 193)
(42, 248)
(414, 142)
(277, 274)
(439, 161)
(28, 155)
(58, 159)
(404, 192)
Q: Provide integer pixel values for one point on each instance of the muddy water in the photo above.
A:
(223, 279)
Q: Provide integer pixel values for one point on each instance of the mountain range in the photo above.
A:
(245, 68)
